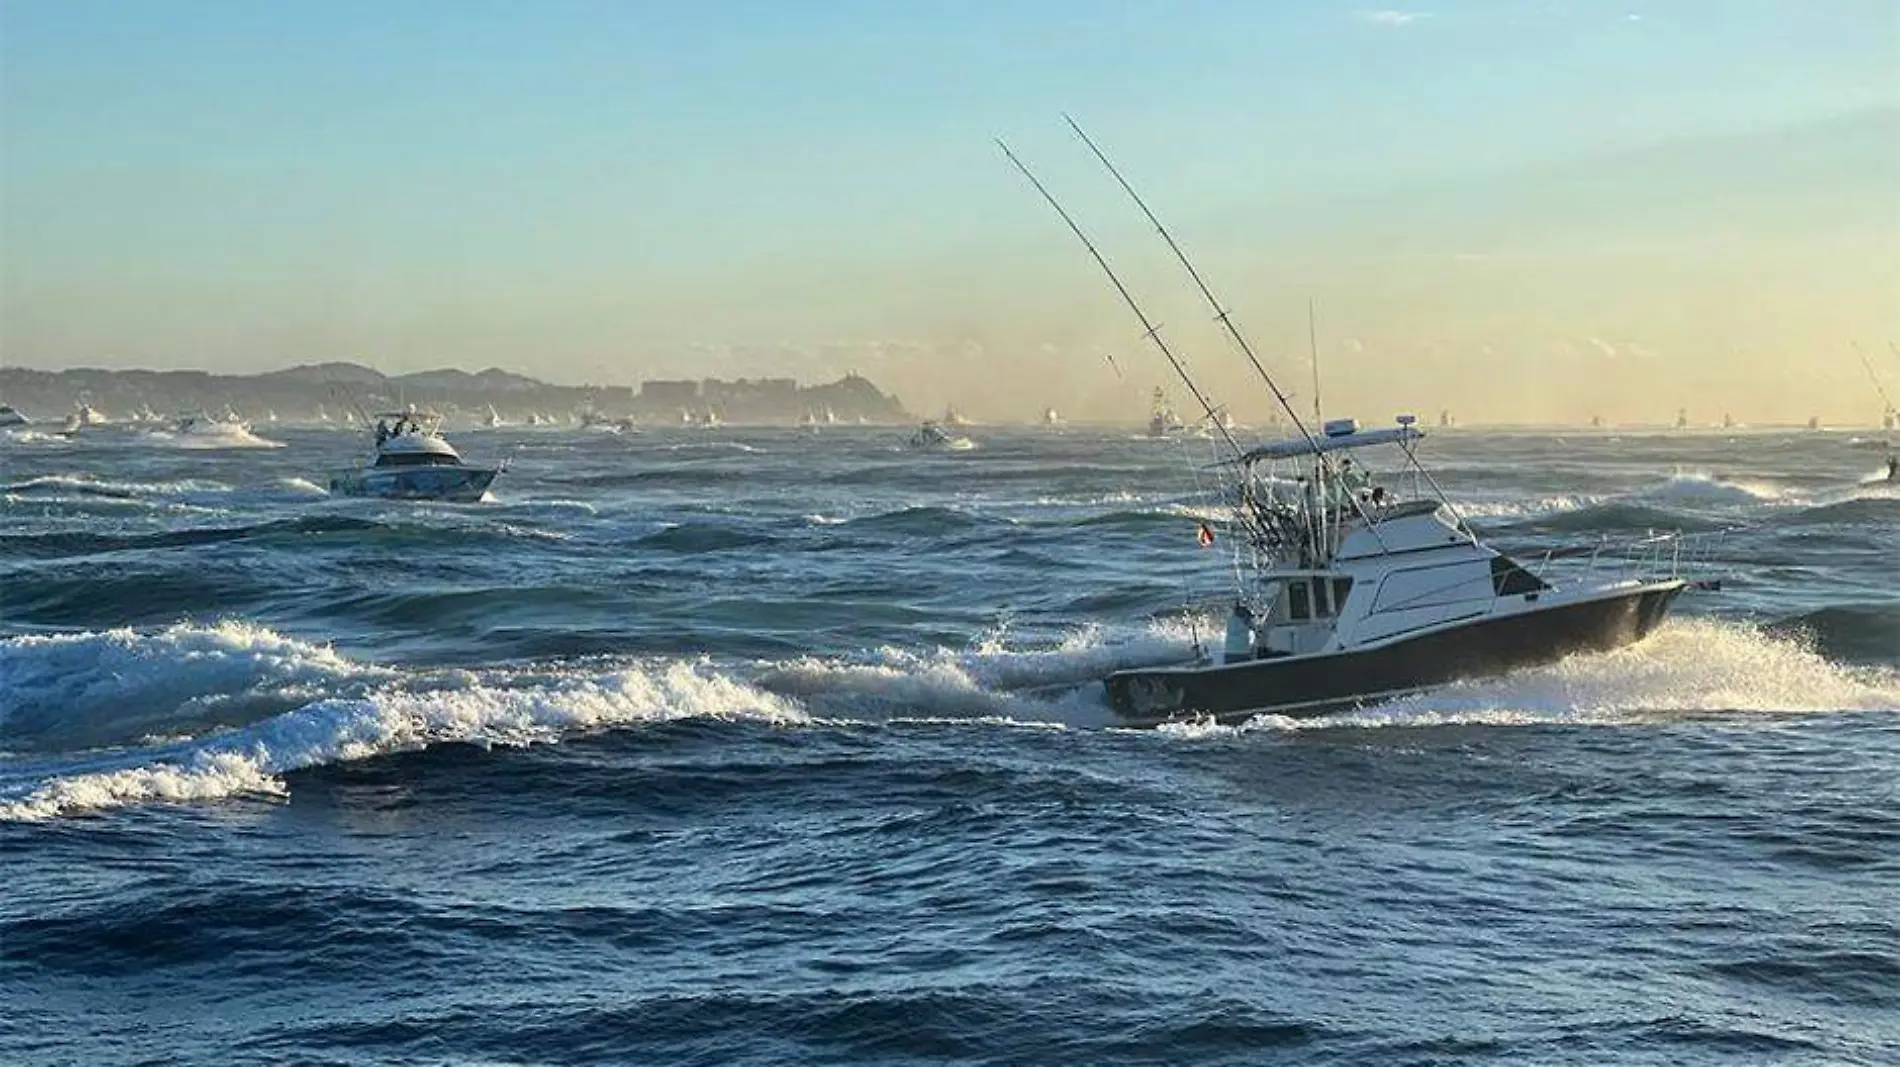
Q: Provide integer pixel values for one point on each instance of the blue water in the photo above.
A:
(764, 747)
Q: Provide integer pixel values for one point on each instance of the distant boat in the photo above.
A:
(492, 419)
(1728, 421)
(84, 417)
(1050, 417)
(1814, 422)
(953, 417)
(203, 425)
(1682, 418)
(9, 416)
(931, 437)
(1162, 421)
(414, 462)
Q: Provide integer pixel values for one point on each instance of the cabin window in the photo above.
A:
(1507, 578)
(1299, 603)
(1322, 604)
(414, 459)
(1341, 586)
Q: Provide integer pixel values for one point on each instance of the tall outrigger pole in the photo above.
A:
(1881, 390)
(1221, 314)
(1150, 330)
(1321, 465)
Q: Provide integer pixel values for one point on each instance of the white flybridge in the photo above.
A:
(1352, 591)
(414, 462)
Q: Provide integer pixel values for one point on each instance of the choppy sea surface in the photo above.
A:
(769, 747)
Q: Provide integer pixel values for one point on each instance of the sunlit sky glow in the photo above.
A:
(1520, 210)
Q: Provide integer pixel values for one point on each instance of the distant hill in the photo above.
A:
(317, 391)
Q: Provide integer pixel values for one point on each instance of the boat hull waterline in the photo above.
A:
(1312, 686)
(454, 484)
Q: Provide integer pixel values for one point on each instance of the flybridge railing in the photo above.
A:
(1656, 556)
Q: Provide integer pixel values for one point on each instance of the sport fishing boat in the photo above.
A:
(203, 425)
(1358, 595)
(1162, 421)
(931, 437)
(414, 462)
(84, 417)
(1351, 593)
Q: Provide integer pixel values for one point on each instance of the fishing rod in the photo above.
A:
(1150, 329)
(1874, 377)
(1226, 319)
(1221, 314)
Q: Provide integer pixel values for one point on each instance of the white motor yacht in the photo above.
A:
(84, 417)
(1351, 593)
(1357, 595)
(1162, 421)
(414, 462)
(931, 437)
(203, 425)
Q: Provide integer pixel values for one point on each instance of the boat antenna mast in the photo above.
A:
(1149, 328)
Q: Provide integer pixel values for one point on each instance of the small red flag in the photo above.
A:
(1206, 536)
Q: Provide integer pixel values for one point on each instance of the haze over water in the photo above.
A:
(1522, 211)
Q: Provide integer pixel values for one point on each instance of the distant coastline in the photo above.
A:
(315, 392)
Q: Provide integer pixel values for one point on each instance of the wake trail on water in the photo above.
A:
(402, 714)
(193, 713)
(1688, 666)
(204, 713)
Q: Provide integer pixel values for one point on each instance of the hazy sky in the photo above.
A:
(1518, 209)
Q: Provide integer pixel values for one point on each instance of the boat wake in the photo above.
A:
(192, 714)
(220, 438)
(1689, 666)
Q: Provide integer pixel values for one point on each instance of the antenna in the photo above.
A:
(1312, 353)
(1151, 331)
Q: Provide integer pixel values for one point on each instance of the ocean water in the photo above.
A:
(766, 747)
